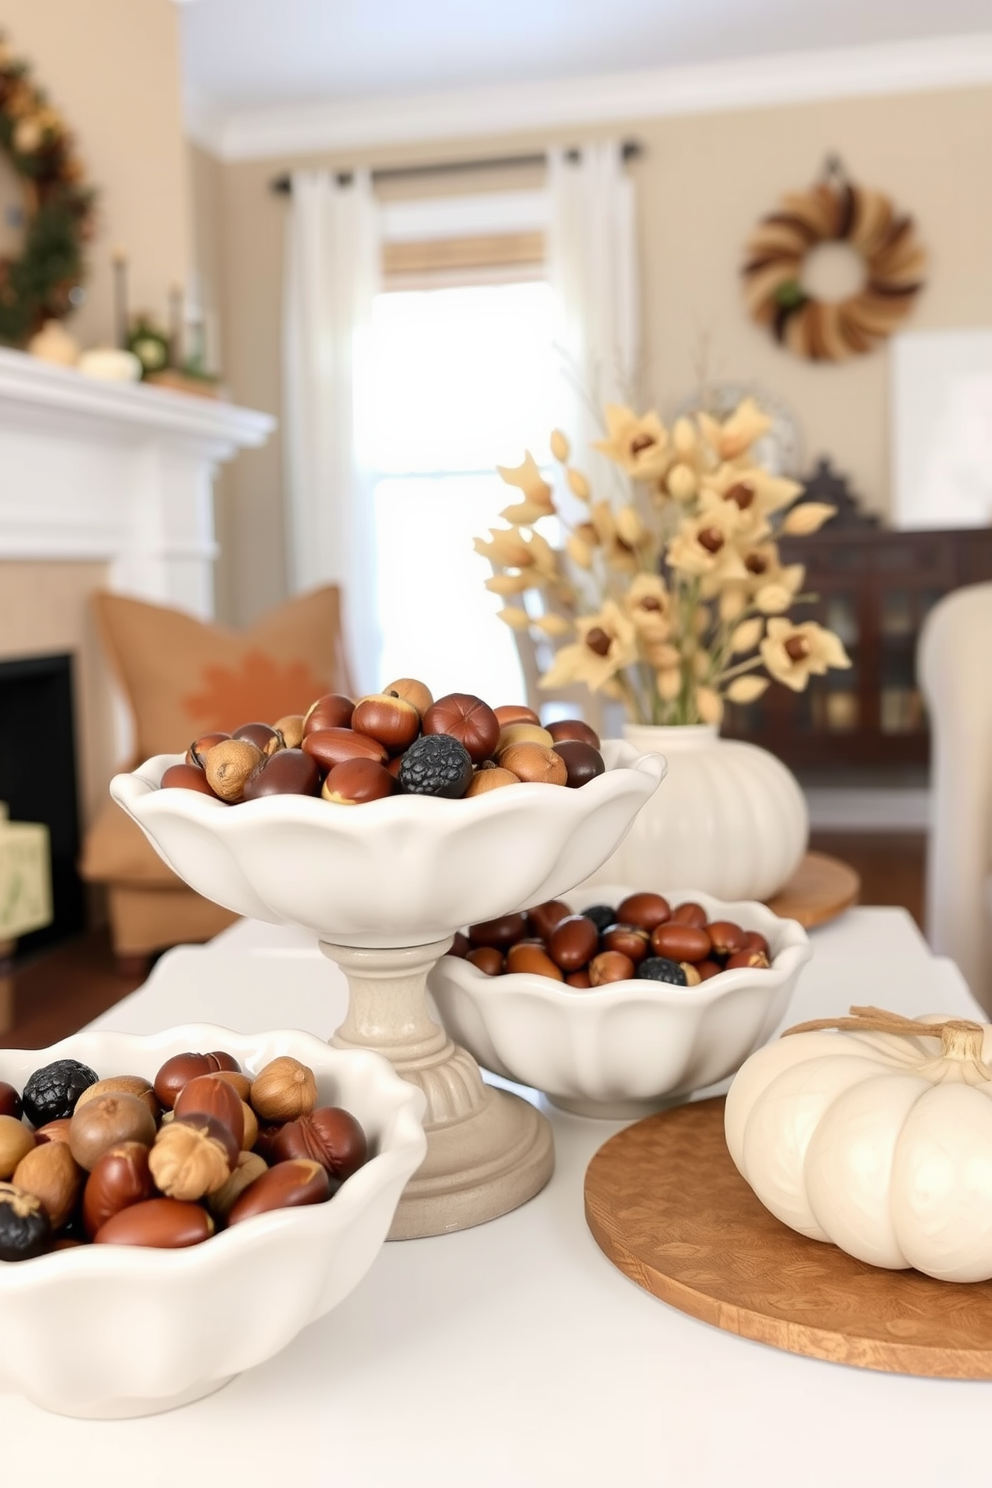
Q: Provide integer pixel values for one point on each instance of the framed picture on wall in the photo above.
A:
(942, 428)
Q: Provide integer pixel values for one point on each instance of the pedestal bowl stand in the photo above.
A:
(383, 887)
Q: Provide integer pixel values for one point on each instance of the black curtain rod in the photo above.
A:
(630, 150)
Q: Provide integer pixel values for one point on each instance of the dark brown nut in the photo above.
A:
(332, 711)
(330, 747)
(177, 1072)
(530, 960)
(54, 1131)
(250, 1166)
(644, 910)
(229, 766)
(163, 1224)
(16, 1141)
(580, 979)
(523, 733)
(187, 777)
(412, 691)
(209, 1095)
(487, 959)
(708, 969)
(284, 1090)
(680, 942)
(291, 728)
(120, 1177)
(238, 1081)
(10, 1100)
(610, 966)
(220, 1060)
(543, 918)
(573, 943)
(104, 1122)
(357, 781)
(582, 762)
(197, 751)
(629, 940)
(330, 1136)
(395, 765)
(692, 977)
(459, 945)
(484, 781)
(52, 1175)
(286, 1186)
(124, 1085)
(25, 1229)
(267, 1133)
(756, 959)
(262, 735)
(499, 933)
(727, 938)
(755, 941)
(468, 719)
(387, 717)
(534, 763)
(290, 772)
(192, 1156)
(251, 1127)
(567, 729)
(690, 913)
(508, 713)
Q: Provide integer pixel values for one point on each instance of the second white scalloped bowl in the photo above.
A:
(115, 1330)
(627, 1048)
(400, 872)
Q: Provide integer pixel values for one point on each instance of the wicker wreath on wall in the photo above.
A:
(834, 210)
(43, 281)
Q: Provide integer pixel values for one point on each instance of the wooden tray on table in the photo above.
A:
(666, 1204)
(821, 888)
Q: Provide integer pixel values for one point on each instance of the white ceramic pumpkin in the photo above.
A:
(877, 1137)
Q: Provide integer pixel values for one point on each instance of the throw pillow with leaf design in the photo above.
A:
(183, 677)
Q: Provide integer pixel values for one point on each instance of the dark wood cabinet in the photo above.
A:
(874, 588)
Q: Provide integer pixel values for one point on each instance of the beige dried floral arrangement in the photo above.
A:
(672, 597)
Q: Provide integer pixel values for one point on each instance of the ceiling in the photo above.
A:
(242, 55)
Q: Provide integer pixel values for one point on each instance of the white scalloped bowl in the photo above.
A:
(108, 1331)
(627, 1048)
(401, 872)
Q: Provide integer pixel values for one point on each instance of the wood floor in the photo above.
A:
(57, 994)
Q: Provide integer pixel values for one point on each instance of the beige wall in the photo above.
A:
(112, 68)
(703, 183)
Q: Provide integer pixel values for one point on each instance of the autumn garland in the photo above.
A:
(675, 597)
(38, 284)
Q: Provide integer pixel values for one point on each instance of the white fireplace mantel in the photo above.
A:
(119, 473)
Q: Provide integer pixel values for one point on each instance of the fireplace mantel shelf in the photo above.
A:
(61, 398)
(116, 473)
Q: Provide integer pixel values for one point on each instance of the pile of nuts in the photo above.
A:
(398, 741)
(641, 938)
(126, 1161)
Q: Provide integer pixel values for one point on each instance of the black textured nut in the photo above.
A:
(53, 1090)
(661, 969)
(602, 915)
(436, 765)
(25, 1229)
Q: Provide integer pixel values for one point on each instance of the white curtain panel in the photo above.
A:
(593, 270)
(332, 276)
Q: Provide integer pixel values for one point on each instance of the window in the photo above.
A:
(462, 379)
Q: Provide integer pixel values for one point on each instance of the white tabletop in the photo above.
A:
(515, 1354)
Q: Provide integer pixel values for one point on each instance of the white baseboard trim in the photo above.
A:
(868, 809)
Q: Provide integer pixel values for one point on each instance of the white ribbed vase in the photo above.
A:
(729, 819)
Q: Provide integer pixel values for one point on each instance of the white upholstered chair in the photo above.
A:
(954, 663)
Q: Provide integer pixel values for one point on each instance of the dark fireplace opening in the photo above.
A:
(38, 780)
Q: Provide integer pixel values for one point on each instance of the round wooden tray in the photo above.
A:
(667, 1206)
(821, 888)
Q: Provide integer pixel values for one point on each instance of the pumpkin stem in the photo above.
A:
(960, 1038)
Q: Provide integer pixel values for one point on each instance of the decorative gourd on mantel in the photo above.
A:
(876, 1136)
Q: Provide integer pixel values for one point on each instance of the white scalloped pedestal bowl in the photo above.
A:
(400, 872)
(112, 1331)
(627, 1048)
